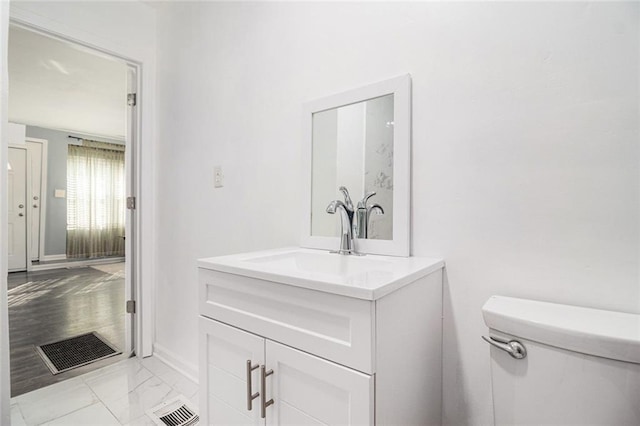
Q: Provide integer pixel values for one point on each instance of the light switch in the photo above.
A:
(60, 193)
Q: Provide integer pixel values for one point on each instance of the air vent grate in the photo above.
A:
(75, 352)
(175, 412)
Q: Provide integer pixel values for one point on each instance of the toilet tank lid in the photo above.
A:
(608, 334)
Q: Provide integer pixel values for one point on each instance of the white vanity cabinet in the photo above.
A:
(324, 352)
(306, 390)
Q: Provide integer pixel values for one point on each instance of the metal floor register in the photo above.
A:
(75, 352)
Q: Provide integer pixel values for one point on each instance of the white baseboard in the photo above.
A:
(53, 257)
(77, 263)
(176, 361)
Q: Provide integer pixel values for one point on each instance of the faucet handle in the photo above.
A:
(362, 204)
(347, 197)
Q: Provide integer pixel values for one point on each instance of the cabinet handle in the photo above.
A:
(263, 391)
(250, 396)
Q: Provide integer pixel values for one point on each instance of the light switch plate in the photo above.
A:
(60, 193)
(218, 177)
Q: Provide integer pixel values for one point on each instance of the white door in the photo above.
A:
(34, 204)
(17, 229)
(224, 352)
(308, 390)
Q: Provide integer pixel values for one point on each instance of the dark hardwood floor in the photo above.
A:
(48, 306)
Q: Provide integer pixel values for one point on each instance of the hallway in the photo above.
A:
(48, 306)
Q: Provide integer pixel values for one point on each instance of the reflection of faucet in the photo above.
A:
(363, 214)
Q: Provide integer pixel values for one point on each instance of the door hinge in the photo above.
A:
(131, 99)
(131, 306)
(131, 203)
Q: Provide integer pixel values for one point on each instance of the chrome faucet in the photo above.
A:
(346, 212)
(354, 223)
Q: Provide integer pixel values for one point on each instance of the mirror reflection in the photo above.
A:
(352, 147)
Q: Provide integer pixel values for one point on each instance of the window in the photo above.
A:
(95, 200)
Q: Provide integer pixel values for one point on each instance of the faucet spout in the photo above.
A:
(346, 215)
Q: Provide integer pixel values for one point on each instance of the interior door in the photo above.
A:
(224, 352)
(35, 196)
(17, 212)
(308, 390)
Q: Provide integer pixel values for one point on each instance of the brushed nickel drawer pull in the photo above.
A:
(250, 396)
(263, 391)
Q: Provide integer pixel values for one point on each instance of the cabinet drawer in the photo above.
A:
(334, 327)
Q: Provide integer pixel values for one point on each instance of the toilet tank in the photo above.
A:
(582, 366)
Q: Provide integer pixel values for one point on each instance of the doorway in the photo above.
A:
(79, 279)
(27, 170)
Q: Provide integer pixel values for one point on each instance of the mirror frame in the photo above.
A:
(400, 87)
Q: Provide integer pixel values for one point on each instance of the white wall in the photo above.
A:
(525, 149)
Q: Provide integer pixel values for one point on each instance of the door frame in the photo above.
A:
(43, 187)
(132, 323)
(143, 56)
(141, 218)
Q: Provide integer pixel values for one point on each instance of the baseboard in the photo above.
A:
(176, 361)
(53, 257)
(77, 263)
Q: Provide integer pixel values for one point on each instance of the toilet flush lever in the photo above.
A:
(512, 347)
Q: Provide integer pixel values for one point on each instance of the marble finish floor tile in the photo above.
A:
(16, 416)
(55, 401)
(180, 383)
(119, 394)
(94, 415)
(156, 366)
(117, 384)
(147, 395)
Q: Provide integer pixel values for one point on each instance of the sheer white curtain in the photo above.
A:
(95, 200)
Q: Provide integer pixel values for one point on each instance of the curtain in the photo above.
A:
(96, 203)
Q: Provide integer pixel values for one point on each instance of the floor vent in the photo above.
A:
(175, 412)
(75, 352)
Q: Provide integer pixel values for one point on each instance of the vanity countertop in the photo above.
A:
(368, 277)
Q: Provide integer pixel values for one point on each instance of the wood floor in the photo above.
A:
(48, 306)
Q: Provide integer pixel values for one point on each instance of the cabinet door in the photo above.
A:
(308, 390)
(224, 352)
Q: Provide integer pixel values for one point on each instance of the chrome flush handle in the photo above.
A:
(512, 347)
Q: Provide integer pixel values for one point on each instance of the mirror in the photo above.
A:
(352, 146)
(360, 140)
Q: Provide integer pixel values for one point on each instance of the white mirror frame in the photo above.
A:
(400, 87)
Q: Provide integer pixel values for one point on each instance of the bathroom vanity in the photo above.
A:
(301, 336)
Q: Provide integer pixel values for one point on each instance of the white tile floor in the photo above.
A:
(119, 394)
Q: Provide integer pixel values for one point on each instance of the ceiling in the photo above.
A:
(61, 86)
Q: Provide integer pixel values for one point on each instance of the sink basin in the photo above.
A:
(324, 263)
(365, 277)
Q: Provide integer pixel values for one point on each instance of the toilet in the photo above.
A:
(554, 364)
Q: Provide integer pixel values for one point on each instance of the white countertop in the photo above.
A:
(368, 277)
